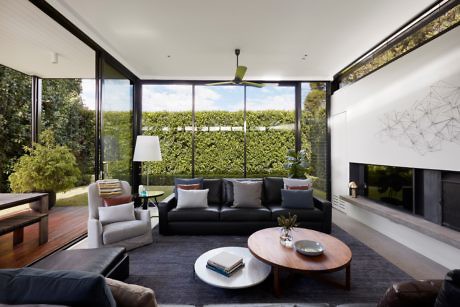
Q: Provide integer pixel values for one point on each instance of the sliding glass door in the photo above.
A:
(116, 124)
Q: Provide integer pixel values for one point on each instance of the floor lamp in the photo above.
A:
(147, 149)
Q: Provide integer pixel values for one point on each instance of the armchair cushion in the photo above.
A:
(127, 295)
(114, 214)
(115, 232)
(118, 200)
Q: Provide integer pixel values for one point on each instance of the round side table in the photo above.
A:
(150, 194)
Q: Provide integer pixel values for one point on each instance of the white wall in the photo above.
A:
(418, 97)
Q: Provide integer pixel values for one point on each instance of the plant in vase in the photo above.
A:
(46, 167)
(287, 224)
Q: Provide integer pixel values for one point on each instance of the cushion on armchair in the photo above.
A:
(114, 214)
(118, 200)
(36, 286)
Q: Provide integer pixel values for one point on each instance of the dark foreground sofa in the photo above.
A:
(221, 219)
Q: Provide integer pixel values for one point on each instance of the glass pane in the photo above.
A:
(270, 118)
(117, 124)
(68, 111)
(219, 138)
(15, 119)
(167, 113)
(314, 133)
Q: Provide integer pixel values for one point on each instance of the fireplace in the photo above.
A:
(431, 194)
(451, 200)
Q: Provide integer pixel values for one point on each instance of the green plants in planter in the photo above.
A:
(297, 164)
(46, 167)
(287, 224)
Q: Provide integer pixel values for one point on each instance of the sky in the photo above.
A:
(175, 98)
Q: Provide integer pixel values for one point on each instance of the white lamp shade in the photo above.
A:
(147, 149)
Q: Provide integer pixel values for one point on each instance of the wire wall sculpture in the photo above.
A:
(429, 123)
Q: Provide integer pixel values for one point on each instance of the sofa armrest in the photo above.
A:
(164, 207)
(412, 293)
(326, 207)
(94, 233)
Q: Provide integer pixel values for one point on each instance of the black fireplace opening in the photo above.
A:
(390, 185)
(431, 194)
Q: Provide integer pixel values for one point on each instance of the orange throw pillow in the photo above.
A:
(300, 187)
(194, 186)
(118, 200)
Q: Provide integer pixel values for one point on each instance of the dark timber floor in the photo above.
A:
(65, 225)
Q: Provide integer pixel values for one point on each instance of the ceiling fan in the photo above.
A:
(239, 75)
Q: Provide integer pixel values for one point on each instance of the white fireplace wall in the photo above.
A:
(393, 116)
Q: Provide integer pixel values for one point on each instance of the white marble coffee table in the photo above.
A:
(253, 273)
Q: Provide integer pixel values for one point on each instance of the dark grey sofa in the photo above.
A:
(221, 219)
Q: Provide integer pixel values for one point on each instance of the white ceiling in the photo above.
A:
(29, 38)
(200, 35)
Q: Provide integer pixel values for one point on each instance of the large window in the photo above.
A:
(15, 119)
(435, 23)
(314, 133)
(270, 118)
(68, 110)
(117, 124)
(235, 131)
(219, 139)
(167, 113)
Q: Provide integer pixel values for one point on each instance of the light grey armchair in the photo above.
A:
(128, 234)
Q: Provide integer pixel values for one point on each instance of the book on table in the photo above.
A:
(223, 272)
(225, 261)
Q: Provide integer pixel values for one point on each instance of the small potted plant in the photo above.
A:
(46, 167)
(287, 224)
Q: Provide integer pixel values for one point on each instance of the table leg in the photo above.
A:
(43, 231)
(348, 277)
(155, 201)
(276, 281)
(44, 204)
(145, 205)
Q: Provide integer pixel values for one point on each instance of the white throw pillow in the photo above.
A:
(119, 213)
(192, 199)
(292, 182)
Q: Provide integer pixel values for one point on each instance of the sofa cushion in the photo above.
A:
(192, 199)
(245, 214)
(211, 213)
(115, 232)
(302, 214)
(215, 190)
(36, 286)
(297, 199)
(127, 295)
(227, 184)
(294, 182)
(247, 194)
(272, 189)
(178, 181)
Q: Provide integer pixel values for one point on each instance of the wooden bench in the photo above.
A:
(16, 223)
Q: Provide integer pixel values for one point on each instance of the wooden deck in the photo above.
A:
(65, 225)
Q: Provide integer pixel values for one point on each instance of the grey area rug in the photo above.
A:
(166, 266)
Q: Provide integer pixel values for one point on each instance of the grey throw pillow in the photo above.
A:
(297, 199)
(247, 194)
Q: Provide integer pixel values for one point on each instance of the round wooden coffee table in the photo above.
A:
(265, 246)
